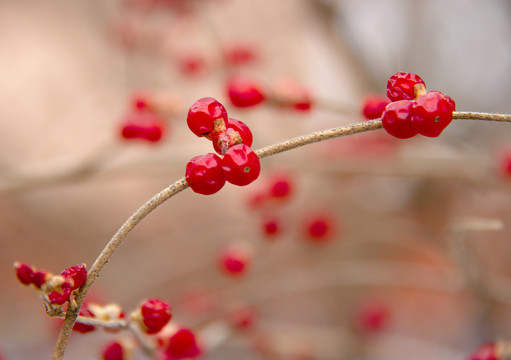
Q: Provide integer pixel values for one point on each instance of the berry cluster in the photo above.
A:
(152, 317)
(55, 289)
(413, 109)
(239, 164)
(173, 343)
(142, 122)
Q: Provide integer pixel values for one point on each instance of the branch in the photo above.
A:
(181, 185)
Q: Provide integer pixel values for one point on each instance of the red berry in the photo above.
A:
(204, 174)
(289, 93)
(257, 199)
(281, 187)
(431, 113)
(488, 351)
(242, 129)
(448, 98)
(244, 91)
(504, 164)
(182, 345)
(77, 273)
(24, 273)
(271, 227)
(140, 101)
(61, 295)
(84, 328)
(234, 260)
(319, 228)
(192, 64)
(241, 165)
(155, 315)
(373, 106)
(243, 318)
(396, 119)
(203, 114)
(113, 351)
(236, 132)
(239, 54)
(402, 86)
(39, 277)
(372, 317)
(144, 125)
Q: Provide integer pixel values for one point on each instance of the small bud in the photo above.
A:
(24, 273)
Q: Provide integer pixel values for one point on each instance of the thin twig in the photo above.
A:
(468, 115)
(181, 185)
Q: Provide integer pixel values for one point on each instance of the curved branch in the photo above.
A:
(181, 185)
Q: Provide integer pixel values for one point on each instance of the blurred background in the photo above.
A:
(416, 262)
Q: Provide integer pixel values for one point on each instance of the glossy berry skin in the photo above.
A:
(203, 114)
(396, 119)
(113, 351)
(431, 113)
(155, 315)
(143, 125)
(182, 345)
(487, 351)
(373, 106)
(236, 132)
(241, 165)
(401, 86)
(204, 174)
(244, 92)
(78, 275)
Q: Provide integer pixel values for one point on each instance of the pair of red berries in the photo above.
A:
(143, 123)
(245, 92)
(414, 110)
(182, 344)
(207, 174)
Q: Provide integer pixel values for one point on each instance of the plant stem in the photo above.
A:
(181, 185)
(467, 115)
